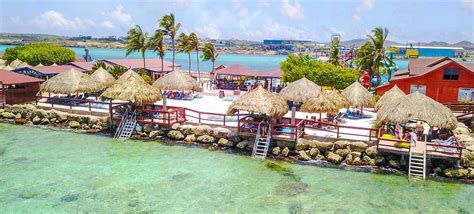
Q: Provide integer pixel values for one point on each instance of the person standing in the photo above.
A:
(419, 130)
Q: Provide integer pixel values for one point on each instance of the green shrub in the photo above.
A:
(36, 53)
(145, 75)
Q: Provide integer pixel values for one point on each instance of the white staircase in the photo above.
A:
(260, 147)
(126, 126)
(417, 164)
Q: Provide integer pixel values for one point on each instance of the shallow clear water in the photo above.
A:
(66, 171)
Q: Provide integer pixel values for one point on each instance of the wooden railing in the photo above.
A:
(3, 100)
(74, 102)
(280, 131)
(460, 107)
(368, 134)
(209, 118)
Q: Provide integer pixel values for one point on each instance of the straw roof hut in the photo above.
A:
(394, 93)
(8, 67)
(319, 104)
(339, 100)
(103, 76)
(72, 81)
(300, 90)
(131, 87)
(417, 106)
(260, 101)
(176, 80)
(358, 96)
(54, 64)
(15, 63)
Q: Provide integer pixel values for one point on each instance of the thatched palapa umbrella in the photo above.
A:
(394, 93)
(299, 91)
(131, 87)
(176, 80)
(358, 96)
(338, 99)
(72, 81)
(103, 76)
(319, 104)
(417, 106)
(260, 101)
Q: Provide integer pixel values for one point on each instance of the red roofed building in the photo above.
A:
(442, 79)
(86, 66)
(45, 72)
(235, 77)
(152, 65)
(17, 88)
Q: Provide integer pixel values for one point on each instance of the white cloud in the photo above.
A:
(54, 20)
(468, 4)
(180, 4)
(365, 6)
(108, 24)
(210, 31)
(119, 15)
(264, 3)
(293, 11)
(333, 30)
(239, 7)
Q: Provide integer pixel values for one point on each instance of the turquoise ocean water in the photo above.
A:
(47, 171)
(257, 62)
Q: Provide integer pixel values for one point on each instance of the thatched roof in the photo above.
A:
(69, 82)
(260, 101)
(15, 63)
(300, 90)
(103, 76)
(389, 97)
(319, 104)
(176, 80)
(417, 106)
(339, 100)
(131, 87)
(358, 96)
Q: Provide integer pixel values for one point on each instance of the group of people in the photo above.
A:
(179, 95)
(420, 132)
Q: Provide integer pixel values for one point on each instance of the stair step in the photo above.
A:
(415, 170)
(416, 167)
(417, 164)
(417, 160)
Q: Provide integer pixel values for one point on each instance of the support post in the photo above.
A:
(293, 115)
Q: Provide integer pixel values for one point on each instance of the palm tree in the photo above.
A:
(334, 54)
(137, 41)
(194, 42)
(167, 22)
(372, 55)
(184, 46)
(157, 44)
(209, 54)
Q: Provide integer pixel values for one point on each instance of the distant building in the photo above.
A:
(431, 51)
(17, 88)
(442, 79)
(282, 44)
(46, 72)
(153, 66)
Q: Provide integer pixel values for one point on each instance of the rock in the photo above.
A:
(86, 127)
(220, 132)
(283, 144)
(213, 147)
(233, 136)
(53, 120)
(343, 152)
(379, 160)
(394, 164)
(74, 124)
(70, 197)
(371, 151)
(276, 151)
(356, 161)
(206, 139)
(21, 121)
(190, 138)
(175, 135)
(470, 148)
(285, 152)
(175, 126)
(45, 121)
(437, 170)
(8, 115)
(314, 152)
(36, 120)
(348, 159)
(334, 158)
(18, 116)
(148, 128)
(320, 157)
(27, 195)
(368, 160)
(356, 154)
(242, 144)
(341, 144)
(323, 146)
(250, 146)
(358, 146)
(304, 156)
(225, 142)
(2, 149)
(203, 130)
(470, 175)
(187, 129)
(152, 135)
(456, 172)
(300, 145)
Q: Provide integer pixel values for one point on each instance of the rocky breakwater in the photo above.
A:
(28, 114)
(466, 169)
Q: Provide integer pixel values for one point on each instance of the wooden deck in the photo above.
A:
(432, 150)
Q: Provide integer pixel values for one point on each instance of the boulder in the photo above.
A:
(341, 144)
(187, 129)
(175, 126)
(470, 175)
(356, 154)
(379, 160)
(301, 145)
(470, 148)
(86, 127)
(213, 147)
(190, 138)
(323, 146)
(320, 157)
(233, 136)
(276, 151)
(343, 152)
(314, 152)
(358, 146)
(21, 121)
(206, 139)
(394, 164)
(456, 172)
(74, 124)
(203, 130)
(45, 121)
(283, 144)
(368, 160)
(220, 132)
(152, 135)
(250, 146)
(243, 144)
(175, 135)
(303, 156)
(36, 120)
(348, 159)
(356, 161)
(285, 152)
(8, 115)
(148, 128)
(371, 151)
(225, 142)
(18, 116)
(437, 170)
(334, 158)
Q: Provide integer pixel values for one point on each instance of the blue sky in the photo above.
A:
(407, 20)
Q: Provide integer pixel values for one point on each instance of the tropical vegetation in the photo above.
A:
(158, 45)
(194, 42)
(324, 74)
(169, 25)
(36, 53)
(184, 46)
(334, 54)
(209, 54)
(137, 40)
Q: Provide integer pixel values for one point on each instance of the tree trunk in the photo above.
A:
(212, 76)
(174, 52)
(162, 68)
(143, 57)
(197, 61)
(189, 63)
